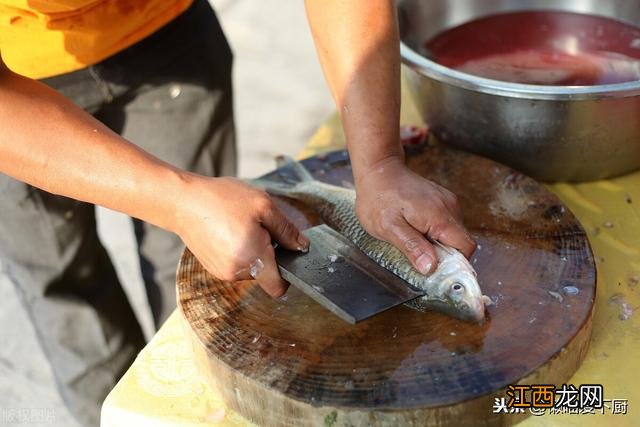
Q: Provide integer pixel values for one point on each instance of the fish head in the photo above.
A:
(464, 295)
(457, 289)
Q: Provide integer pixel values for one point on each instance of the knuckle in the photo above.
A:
(278, 291)
(387, 223)
(286, 228)
(229, 274)
(239, 255)
(440, 224)
(273, 287)
(437, 230)
(263, 203)
(472, 244)
(412, 244)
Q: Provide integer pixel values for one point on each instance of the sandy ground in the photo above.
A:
(280, 98)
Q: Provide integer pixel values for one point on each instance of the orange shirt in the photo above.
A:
(44, 38)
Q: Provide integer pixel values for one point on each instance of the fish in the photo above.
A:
(451, 289)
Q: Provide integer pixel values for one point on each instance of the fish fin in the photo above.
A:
(301, 173)
(292, 173)
(278, 188)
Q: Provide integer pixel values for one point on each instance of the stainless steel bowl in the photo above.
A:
(552, 133)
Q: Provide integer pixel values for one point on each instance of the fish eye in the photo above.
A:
(457, 287)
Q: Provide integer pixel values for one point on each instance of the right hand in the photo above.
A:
(228, 225)
(398, 206)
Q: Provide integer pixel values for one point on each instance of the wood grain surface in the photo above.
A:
(291, 362)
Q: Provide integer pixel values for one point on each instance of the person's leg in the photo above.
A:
(67, 286)
(176, 104)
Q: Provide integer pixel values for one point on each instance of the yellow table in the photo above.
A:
(162, 387)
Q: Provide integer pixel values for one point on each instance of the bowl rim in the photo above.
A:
(444, 74)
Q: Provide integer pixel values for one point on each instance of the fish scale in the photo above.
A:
(336, 207)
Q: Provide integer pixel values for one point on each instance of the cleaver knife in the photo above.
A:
(340, 277)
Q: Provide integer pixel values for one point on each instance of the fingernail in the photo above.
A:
(424, 263)
(256, 267)
(304, 244)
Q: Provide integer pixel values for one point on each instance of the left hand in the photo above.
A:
(398, 206)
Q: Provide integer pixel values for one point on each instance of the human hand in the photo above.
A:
(398, 206)
(229, 226)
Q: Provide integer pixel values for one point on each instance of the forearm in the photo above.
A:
(52, 144)
(358, 47)
(48, 142)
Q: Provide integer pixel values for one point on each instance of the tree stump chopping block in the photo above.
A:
(289, 361)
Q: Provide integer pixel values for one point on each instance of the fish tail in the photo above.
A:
(293, 174)
(301, 173)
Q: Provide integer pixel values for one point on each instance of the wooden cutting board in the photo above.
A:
(291, 362)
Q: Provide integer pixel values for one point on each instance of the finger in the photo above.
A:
(249, 271)
(413, 245)
(451, 203)
(269, 276)
(455, 235)
(212, 268)
(282, 230)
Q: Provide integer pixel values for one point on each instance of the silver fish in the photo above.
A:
(452, 289)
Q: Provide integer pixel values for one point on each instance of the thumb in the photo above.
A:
(283, 231)
(413, 245)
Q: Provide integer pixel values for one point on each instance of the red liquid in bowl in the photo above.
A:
(544, 48)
